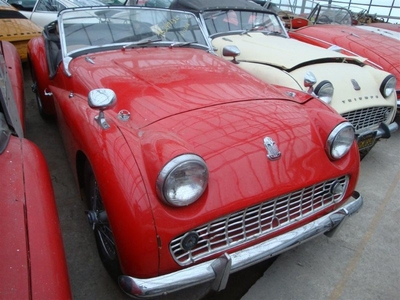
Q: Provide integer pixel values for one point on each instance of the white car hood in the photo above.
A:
(285, 53)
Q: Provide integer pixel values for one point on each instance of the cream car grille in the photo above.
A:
(369, 118)
(256, 221)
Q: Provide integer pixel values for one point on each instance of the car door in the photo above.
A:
(45, 11)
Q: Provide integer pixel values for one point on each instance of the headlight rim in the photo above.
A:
(318, 88)
(173, 165)
(383, 87)
(332, 138)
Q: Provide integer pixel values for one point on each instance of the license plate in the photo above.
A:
(366, 141)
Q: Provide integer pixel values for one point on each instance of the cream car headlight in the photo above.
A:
(388, 86)
(182, 180)
(340, 140)
(324, 91)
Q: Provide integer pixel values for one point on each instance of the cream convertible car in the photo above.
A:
(257, 41)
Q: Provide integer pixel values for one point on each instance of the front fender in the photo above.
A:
(114, 164)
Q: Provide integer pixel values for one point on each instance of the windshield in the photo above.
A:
(85, 28)
(330, 15)
(221, 21)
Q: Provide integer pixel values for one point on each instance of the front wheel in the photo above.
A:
(98, 220)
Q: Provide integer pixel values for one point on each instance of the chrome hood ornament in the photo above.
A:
(272, 149)
(356, 86)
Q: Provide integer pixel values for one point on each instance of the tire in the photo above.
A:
(98, 221)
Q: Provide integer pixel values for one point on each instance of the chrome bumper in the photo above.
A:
(217, 271)
(385, 131)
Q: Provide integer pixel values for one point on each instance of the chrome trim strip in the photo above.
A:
(204, 272)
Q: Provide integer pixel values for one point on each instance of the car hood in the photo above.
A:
(156, 83)
(285, 53)
(13, 244)
(230, 138)
(377, 48)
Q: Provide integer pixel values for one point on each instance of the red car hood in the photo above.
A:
(156, 83)
(230, 138)
(14, 249)
(379, 49)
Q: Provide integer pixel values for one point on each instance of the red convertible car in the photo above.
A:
(32, 262)
(332, 29)
(191, 168)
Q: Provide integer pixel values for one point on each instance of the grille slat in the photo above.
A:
(368, 118)
(262, 219)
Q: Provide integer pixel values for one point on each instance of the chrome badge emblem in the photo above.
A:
(356, 86)
(272, 149)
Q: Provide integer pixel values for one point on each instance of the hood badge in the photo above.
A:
(272, 149)
(355, 85)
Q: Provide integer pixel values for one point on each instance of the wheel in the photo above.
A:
(98, 220)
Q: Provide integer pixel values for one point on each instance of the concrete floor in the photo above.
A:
(361, 262)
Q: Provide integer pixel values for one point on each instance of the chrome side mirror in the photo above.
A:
(309, 81)
(102, 99)
(231, 51)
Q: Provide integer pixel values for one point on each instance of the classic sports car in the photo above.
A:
(42, 12)
(15, 28)
(360, 93)
(32, 261)
(332, 29)
(191, 168)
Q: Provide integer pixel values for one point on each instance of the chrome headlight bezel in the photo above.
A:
(340, 140)
(388, 86)
(324, 90)
(182, 180)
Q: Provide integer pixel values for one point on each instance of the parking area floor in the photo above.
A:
(361, 262)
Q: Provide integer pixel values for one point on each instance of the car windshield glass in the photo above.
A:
(108, 26)
(235, 20)
(331, 15)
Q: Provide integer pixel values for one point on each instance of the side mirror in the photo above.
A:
(102, 99)
(231, 51)
(309, 81)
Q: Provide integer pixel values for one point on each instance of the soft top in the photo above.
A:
(204, 5)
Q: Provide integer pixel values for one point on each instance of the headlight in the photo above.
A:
(340, 140)
(182, 180)
(324, 91)
(388, 86)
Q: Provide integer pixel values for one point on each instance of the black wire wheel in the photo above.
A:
(98, 220)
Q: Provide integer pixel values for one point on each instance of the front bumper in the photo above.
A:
(217, 271)
(368, 138)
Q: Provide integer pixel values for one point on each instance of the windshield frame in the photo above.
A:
(93, 29)
(256, 21)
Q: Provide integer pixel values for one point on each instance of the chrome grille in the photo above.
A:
(256, 221)
(370, 117)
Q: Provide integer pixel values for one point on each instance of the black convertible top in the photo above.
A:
(198, 6)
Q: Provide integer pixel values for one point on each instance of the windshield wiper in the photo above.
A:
(182, 44)
(141, 43)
